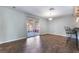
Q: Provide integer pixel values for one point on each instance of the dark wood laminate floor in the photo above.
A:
(40, 44)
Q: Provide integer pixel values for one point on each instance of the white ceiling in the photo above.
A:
(43, 11)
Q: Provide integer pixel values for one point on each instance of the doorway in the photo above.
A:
(33, 28)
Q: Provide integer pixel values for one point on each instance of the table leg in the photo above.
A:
(76, 40)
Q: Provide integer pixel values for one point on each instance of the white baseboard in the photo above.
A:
(59, 35)
(12, 40)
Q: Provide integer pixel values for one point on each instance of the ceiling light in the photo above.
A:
(50, 14)
(50, 19)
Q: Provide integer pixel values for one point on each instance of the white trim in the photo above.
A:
(12, 40)
(59, 35)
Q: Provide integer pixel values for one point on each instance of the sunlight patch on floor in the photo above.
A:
(33, 44)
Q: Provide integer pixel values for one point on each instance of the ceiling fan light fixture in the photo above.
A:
(51, 14)
(50, 19)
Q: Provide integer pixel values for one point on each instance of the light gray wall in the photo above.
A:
(2, 26)
(43, 26)
(15, 24)
(12, 24)
(56, 26)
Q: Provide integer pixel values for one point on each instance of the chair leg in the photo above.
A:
(67, 40)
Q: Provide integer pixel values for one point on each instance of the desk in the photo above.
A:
(76, 33)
